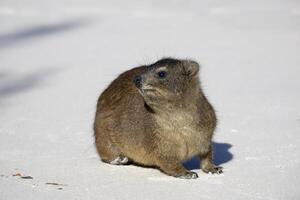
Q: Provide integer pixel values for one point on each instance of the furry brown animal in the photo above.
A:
(157, 115)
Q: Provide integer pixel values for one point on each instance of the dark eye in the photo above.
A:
(162, 74)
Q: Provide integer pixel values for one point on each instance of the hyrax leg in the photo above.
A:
(108, 152)
(207, 163)
(174, 168)
(111, 155)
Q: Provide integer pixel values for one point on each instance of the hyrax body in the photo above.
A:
(157, 115)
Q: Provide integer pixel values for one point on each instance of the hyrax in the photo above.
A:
(157, 115)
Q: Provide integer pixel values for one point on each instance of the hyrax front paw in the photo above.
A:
(189, 175)
(213, 170)
(120, 160)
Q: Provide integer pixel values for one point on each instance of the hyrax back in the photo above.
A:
(156, 115)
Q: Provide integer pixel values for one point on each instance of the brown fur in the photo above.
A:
(157, 122)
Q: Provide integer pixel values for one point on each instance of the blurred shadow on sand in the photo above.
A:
(12, 84)
(221, 156)
(39, 31)
(11, 81)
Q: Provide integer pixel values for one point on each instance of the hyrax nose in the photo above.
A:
(138, 81)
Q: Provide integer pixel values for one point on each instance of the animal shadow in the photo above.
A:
(221, 156)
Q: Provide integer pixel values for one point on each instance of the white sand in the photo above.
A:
(57, 56)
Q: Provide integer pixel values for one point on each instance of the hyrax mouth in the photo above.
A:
(147, 91)
(147, 88)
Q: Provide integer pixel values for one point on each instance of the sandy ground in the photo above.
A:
(57, 56)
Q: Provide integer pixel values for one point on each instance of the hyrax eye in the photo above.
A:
(162, 74)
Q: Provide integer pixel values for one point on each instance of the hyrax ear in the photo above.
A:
(190, 68)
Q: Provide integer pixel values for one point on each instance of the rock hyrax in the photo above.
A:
(157, 115)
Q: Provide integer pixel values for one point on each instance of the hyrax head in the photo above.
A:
(167, 81)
